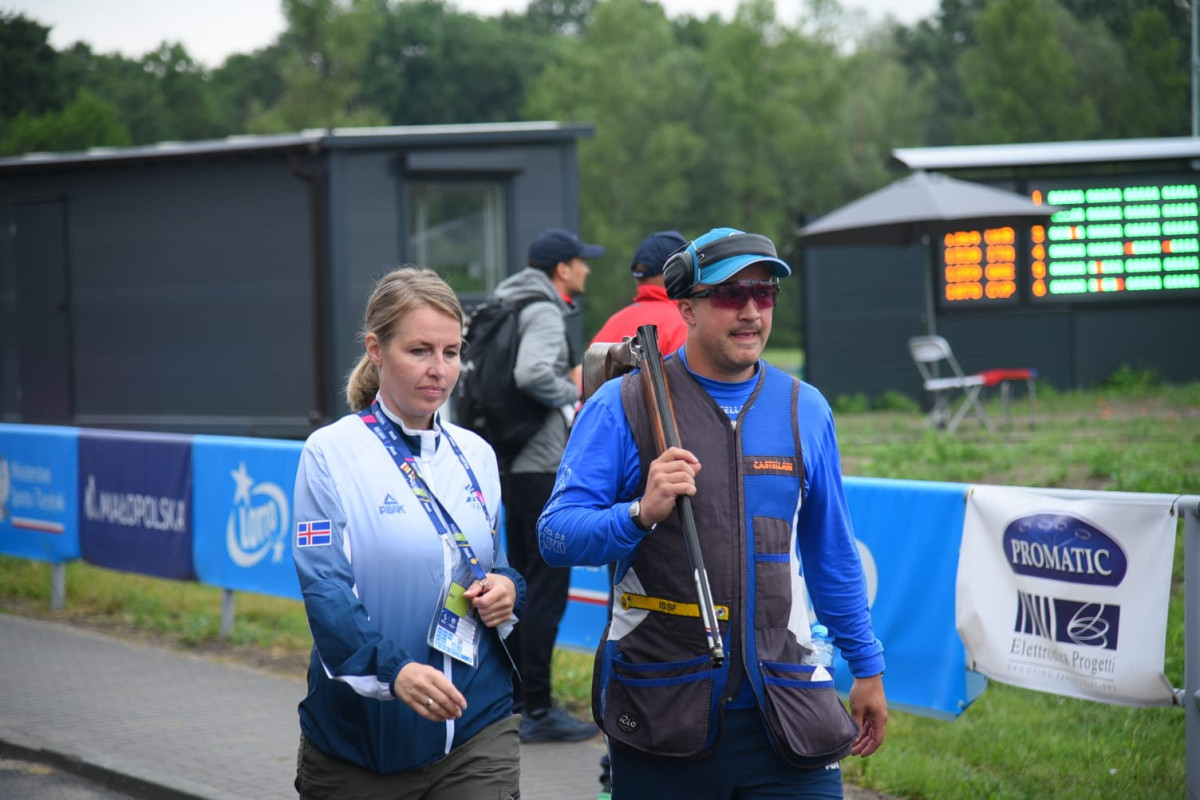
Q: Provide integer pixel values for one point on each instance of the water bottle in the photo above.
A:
(822, 647)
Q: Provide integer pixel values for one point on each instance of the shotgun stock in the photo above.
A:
(666, 434)
(604, 361)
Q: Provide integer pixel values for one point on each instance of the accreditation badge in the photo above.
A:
(455, 629)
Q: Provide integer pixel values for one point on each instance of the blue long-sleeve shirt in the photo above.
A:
(587, 518)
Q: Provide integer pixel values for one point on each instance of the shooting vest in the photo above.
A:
(655, 689)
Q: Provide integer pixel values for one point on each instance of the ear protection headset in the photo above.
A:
(682, 270)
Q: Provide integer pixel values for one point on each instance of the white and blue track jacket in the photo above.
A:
(373, 583)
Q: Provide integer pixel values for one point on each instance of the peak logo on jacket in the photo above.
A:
(390, 506)
(258, 522)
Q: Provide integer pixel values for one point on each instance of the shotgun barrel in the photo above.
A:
(666, 432)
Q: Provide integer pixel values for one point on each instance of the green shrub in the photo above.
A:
(851, 403)
(1127, 379)
(896, 401)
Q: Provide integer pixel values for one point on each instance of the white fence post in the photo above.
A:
(58, 585)
(1190, 509)
(227, 607)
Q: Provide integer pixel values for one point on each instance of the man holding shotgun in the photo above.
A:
(713, 480)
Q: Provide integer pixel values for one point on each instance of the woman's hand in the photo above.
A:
(494, 599)
(428, 692)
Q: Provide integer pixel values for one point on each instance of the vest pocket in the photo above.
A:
(807, 719)
(661, 708)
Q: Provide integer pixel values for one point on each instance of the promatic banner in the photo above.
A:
(38, 502)
(1068, 596)
(136, 502)
(908, 534)
(244, 513)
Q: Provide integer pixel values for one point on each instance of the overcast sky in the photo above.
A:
(212, 29)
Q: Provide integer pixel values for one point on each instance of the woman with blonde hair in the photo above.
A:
(407, 591)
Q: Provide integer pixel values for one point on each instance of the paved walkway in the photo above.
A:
(181, 727)
(173, 726)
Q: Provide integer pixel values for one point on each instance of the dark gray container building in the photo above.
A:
(861, 304)
(218, 287)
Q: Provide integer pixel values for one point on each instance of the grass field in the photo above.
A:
(1014, 743)
(1011, 743)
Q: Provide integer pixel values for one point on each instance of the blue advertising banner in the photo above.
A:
(39, 505)
(136, 502)
(587, 609)
(243, 516)
(909, 534)
(587, 603)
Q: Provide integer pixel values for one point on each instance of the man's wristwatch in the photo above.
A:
(635, 511)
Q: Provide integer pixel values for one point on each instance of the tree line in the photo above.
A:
(750, 122)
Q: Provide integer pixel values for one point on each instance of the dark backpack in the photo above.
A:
(486, 399)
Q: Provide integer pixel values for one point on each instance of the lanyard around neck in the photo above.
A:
(443, 523)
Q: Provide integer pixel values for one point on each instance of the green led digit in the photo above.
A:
(1106, 195)
(1143, 283)
(1059, 268)
(1181, 282)
(1142, 229)
(1180, 227)
(1181, 263)
(1141, 194)
(1065, 197)
(1068, 287)
(1184, 191)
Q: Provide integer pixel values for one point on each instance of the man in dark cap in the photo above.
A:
(549, 371)
(650, 304)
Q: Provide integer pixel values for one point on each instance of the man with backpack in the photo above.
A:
(549, 371)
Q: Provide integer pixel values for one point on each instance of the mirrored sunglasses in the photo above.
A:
(733, 295)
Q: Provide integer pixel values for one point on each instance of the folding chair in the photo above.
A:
(929, 353)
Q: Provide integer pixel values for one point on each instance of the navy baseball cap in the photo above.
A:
(557, 245)
(654, 251)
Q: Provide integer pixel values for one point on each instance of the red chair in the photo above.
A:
(1002, 378)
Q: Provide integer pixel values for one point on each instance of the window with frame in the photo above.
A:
(456, 227)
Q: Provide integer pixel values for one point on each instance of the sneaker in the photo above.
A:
(555, 725)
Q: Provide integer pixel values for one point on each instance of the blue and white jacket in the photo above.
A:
(371, 592)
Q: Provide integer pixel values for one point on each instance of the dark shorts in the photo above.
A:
(743, 766)
(485, 768)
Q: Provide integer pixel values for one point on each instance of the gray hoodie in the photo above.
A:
(543, 361)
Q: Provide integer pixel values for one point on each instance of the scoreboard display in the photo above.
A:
(979, 267)
(1131, 238)
(1116, 239)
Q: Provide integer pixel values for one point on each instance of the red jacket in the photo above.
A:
(650, 306)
